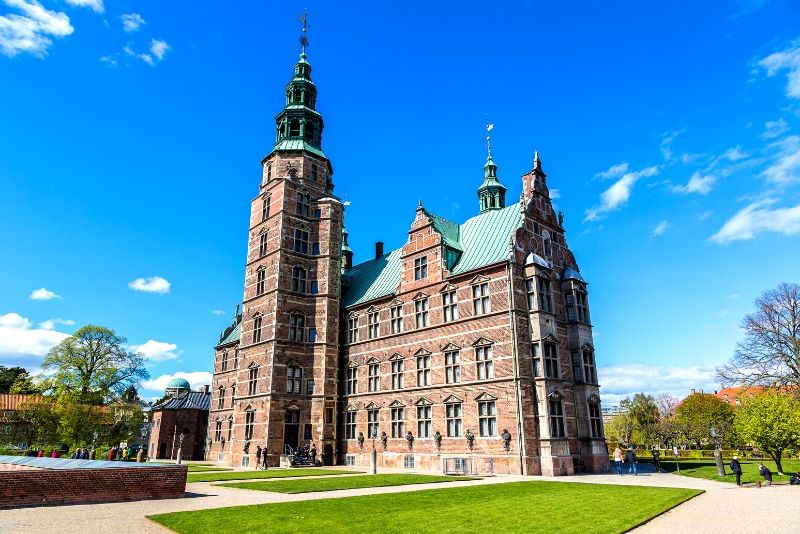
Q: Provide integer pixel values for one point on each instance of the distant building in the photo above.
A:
(12, 428)
(183, 413)
(733, 396)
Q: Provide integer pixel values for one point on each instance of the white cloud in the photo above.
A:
(43, 294)
(773, 129)
(659, 229)
(50, 324)
(618, 194)
(94, 5)
(785, 168)
(666, 143)
(158, 351)
(131, 22)
(555, 194)
(110, 60)
(615, 170)
(31, 32)
(196, 379)
(735, 154)
(620, 381)
(788, 60)
(157, 51)
(757, 218)
(217, 312)
(154, 284)
(22, 345)
(705, 215)
(158, 48)
(697, 184)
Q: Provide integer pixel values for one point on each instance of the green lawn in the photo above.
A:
(200, 468)
(339, 483)
(708, 469)
(563, 507)
(269, 473)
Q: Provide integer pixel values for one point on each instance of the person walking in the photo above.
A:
(264, 458)
(618, 460)
(313, 454)
(258, 456)
(630, 457)
(737, 469)
(112, 454)
(766, 473)
(656, 455)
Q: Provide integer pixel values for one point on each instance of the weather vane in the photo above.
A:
(303, 35)
(489, 127)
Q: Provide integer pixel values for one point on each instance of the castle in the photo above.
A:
(469, 349)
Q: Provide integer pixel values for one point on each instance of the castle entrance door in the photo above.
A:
(291, 434)
(327, 454)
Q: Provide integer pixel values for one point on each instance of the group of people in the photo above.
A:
(40, 453)
(125, 454)
(629, 457)
(82, 454)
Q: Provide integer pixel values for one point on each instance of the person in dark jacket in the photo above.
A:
(737, 469)
(766, 473)
(258, 456)
(630, 457)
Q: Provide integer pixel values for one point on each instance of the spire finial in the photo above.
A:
(536, 163)
(489, 127)
(303, 34)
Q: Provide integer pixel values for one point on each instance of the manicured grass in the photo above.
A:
(340, 483)
(563, 507)
(269, 473)
(708, 469)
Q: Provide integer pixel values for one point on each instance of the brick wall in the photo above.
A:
(49, 487)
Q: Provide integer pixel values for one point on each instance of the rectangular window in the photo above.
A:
(315, 249)
(269, 172)
(551, 361)
(536, 354)
(314, 289)
(556, 419)
(294, 379)
(582, 307)
(261, 278)
(352, 330)
(309, 387)
(262, 245)
(397, 374)
(569, 300)
(314, 172)
(249, 419)
(252, 382)
(421, 308)
(230, 429)
(297, 325)
(545, 295)
(530, 290)
(423, 421)
(303, 207)
(373, 329)
(595, 420)
(453, 417)
(450, 306)
(483, 355)
(373, 421)
(577, 367)
(265, 209)
(312, 335)
(452, 367)
(589, 369)
(307, 432)
(301, 241)
(423, 370)
(398, 422)
(480, 298)
(224, 362)
(350, 460)
(298, 279)
(409, 461)
(487, 419)
(421, 268)
(233, 394)
(352, 380)
(328, 416)
(317, 213)
(218, 431)
(396, 313)
(373, 377)
(221, 399)
(350, 425)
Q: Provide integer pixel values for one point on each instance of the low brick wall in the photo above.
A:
(49, 487)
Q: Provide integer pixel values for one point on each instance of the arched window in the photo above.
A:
(298, 279)
(261, 281)
(224, 360)
(252, 383)
(257, 329)
(249, 420)
(294, 128)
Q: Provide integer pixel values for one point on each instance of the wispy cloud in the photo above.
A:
(788, 60)
(697, 184)
(757, 218)
(158, 351)
(154, 284)
(785, 166)
(196, 379)
(22, 345)
(620, 381)
(31, 32)
(773, 129)
(156, 52)
(131, 22)
(44, 294)
(217, 312)
(615, 170)
(555, 194)
(659, 229)
(50, 324)
(95, 5)
(619, 193)
(666, 143)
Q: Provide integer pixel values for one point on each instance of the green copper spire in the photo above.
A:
(491, 193)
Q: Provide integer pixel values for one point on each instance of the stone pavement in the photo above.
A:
(722, 508)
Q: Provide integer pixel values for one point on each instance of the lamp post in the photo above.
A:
(180, 446)
(373, 456)
(717, 452)
(94, 441)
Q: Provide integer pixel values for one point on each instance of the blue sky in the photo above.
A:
(132, 133)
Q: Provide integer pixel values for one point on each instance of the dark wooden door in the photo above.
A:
(291, 434)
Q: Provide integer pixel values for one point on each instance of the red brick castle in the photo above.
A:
(468, 349)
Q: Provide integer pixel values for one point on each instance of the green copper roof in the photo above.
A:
(484, 240)
(233, 335)
(297, 144)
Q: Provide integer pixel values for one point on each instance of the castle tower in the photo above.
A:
(281, 390)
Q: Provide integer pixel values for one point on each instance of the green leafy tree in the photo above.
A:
(644, 412)
(699, 413)
(619, 430)
(8, 375)
(36, 422)
(771, 422)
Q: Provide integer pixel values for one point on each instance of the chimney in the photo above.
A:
(378, 249)
(206, 389)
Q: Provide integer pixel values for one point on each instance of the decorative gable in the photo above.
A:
(485, 397)
(421, 295)
(482, 341)
(550, 338)
(423, 402)
(447, 287)
(396, 404)
(422, 352)
(478, 280)
(450, 348)
(372, 406)
(452, 399)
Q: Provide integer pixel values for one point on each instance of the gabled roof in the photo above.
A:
(482, 240)
(231, 334)
(193, 400)
(572, 274)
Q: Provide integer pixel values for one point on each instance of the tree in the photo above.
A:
(93, 366)
(645, 415)
(699, 413)
(770, 352)
(770, 421)
(8, 375)
(36, 422)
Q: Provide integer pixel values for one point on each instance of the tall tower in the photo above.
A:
(285, 393)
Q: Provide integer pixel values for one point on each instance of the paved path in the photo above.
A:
(722, 508)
